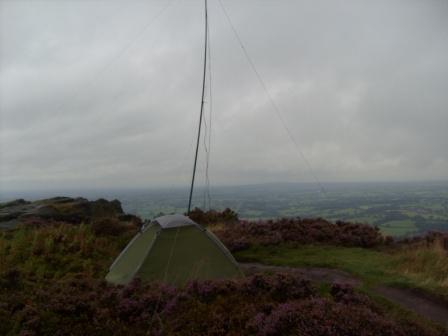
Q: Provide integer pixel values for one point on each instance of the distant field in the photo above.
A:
(399, 227)
(398, 209)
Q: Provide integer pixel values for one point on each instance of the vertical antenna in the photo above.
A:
(202, 109)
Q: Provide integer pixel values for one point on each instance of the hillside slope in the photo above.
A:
(52, 270)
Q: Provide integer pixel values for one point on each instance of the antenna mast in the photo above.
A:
(202, 107)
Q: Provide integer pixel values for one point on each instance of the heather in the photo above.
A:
(52, 271)
(244, 234)
(51, 283)
(280, 304)
(212, 216)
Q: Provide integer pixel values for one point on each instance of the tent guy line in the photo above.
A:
(119, 54)
(275, 107)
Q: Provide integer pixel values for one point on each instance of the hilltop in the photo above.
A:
(323, 278)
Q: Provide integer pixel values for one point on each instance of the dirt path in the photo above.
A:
(417, 302)
(314, 274)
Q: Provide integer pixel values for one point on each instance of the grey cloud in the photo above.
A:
(89, 98)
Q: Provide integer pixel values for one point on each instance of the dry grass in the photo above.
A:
(216, 226)
(52, 251)
(425, 262)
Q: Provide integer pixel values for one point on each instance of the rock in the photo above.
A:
(9, 224)
(62, 209)
(12, 210)
(17, 202)
(104, 208)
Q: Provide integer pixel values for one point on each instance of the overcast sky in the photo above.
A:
(107, 94)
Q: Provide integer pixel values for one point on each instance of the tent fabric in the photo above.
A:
(170, 221)
(173, 249)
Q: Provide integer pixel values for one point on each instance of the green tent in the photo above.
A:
(173, 249)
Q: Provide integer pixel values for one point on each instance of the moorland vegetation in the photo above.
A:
(52, 280)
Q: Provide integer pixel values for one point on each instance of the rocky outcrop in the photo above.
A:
(61, 209)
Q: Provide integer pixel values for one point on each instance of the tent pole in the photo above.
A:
(202, 108)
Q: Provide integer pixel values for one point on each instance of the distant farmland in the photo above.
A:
(399, 209)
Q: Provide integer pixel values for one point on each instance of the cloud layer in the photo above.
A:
(107, 94)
